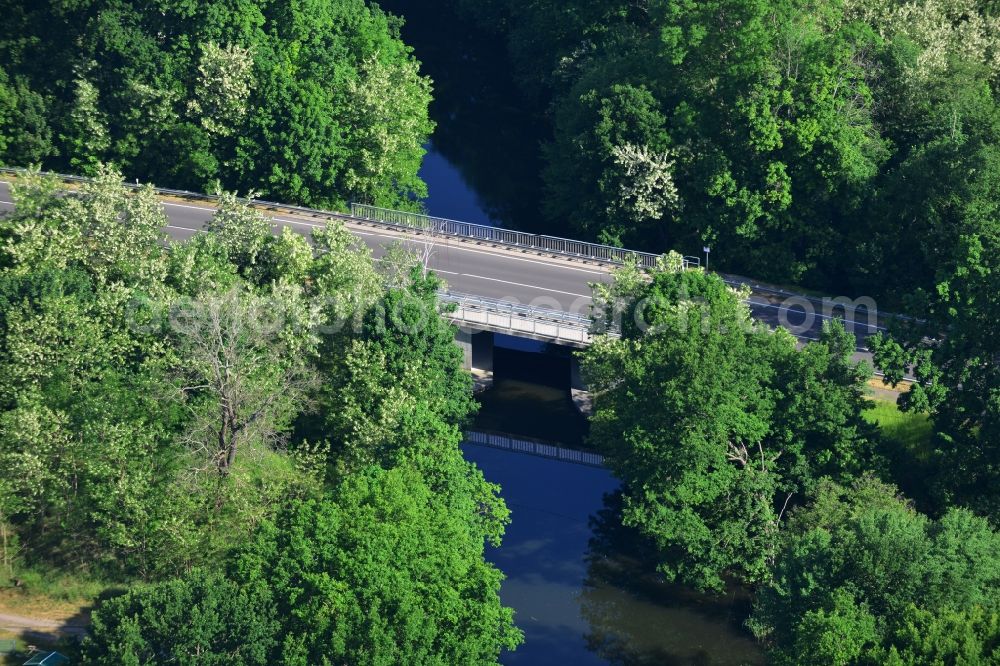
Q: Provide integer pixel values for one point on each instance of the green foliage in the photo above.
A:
(375, 573)
(378, 574)
(241, 230)
(754, 118)
(106, 231)
(403, 357)
(315, 103)
(25, 133)
(967, 636)
(862, 578)
(715, 425)
(953, 351)
(202, 618)
(166, 408)
(778, 132)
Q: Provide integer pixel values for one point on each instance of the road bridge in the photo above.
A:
(501, 280)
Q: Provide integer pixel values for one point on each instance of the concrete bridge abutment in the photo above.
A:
(477, 353)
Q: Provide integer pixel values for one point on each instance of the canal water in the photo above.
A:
(583, 588)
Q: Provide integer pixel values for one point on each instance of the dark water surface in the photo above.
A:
(450, 196)
(581, 586)
(530, 397)
(486, 127)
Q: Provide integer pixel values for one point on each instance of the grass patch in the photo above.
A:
(48, 607)
(52, 584)
(908, 451)
(907, 430)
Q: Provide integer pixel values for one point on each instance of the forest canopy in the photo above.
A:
(844, 145)
(238, 429)
(316, 103)
(237, 435)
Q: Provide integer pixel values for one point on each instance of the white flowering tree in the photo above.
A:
(222, 91)
(647, 190)
(388, 115)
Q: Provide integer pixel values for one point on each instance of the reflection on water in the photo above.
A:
(582, 589)
(543, 551)
(635, 618)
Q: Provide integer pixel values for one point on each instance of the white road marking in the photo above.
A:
(519, 284)
(177, 205)
(474, 251)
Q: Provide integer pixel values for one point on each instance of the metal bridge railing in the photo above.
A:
(515, 318)
(534, 447)
(435, 225)
(552, 244)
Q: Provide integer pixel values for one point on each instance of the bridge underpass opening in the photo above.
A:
(531, 361)
(530, 395)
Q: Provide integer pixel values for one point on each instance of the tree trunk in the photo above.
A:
(223, 444)
(7, 563)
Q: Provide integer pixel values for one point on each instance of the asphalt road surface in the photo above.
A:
(521, 276)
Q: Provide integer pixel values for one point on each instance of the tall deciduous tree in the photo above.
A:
(715, 424)
(243, 369)
(379, 573)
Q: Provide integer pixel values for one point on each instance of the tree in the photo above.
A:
(859, 571)
(378, 573)
(967, 636)
(714, 424)
(389, 102)
(650, 191)
(241, 229)
(701, 483)
(109, 231)
(202, 618)
(953, 351)
(87, 445)
(25, 134)
(400, 384)
(819, 414)
(223, 87)
(88, 138)
(243, 370)
(593, 133)
(760, 114)
(311, 103)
